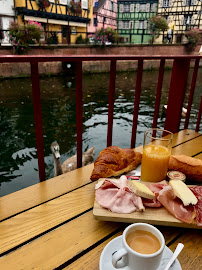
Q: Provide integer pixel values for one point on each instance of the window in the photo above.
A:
(141, 24)
(131, 24)
(165, 3)
(132, 7)
(125, 24)
(121, 8)
(143, 7)
(84, 3)
(126, 8)
(95, 21)
(120, 25)
(111, 6)
(63, 2)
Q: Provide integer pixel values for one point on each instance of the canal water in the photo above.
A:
(18, 157)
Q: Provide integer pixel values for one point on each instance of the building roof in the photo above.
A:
(100, 3)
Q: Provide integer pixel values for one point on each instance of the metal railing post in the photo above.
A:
(136, 102)
(38, 119)
(79, 112)
(112, 83)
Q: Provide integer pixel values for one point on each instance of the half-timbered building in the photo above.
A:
(61, 16)
(132, 19)
(104, 15)
(7, 14)
(185, 14)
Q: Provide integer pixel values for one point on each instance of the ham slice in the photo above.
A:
(155, 188)
(117, 197)
(197, 190)
(175, 206)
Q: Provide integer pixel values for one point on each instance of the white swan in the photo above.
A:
(69, 164)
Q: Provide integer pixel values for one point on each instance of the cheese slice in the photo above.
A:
(141, 190)
(182, 191)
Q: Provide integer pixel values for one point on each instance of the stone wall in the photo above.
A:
(23, 69)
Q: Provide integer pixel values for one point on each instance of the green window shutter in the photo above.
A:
(132, 7)
(137, 9)
(121, 8)
(147, 7)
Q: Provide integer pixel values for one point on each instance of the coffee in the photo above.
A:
(143, 242)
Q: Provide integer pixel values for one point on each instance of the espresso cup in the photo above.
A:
(126, 256)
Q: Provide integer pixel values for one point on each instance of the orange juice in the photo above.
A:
(155, 160)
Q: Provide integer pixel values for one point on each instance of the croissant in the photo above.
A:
(113, 161)
(191, 167)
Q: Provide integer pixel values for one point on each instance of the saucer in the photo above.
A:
(115, 244)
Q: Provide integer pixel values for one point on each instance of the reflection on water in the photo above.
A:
(18, 158)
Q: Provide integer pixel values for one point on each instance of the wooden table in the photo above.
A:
(50, 225)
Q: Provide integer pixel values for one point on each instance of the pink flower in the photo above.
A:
(16, 44)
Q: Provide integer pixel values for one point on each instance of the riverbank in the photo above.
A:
(8, 70)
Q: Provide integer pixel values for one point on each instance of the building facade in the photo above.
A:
(66, 18)
(132, 19)
(185, 15)
(104, 15)
(7, 14)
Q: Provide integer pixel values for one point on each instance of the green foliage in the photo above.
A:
(81, 40)
(104, 35)
(22, 35)
(157, 24)
(43, 3)
(193, 36)
(75, 7)
(53, 39)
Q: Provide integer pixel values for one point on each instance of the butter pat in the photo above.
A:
(182, 191)
(141, 190)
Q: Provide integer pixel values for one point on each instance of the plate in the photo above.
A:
(115, 244)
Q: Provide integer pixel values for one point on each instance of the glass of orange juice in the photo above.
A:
(156, 153)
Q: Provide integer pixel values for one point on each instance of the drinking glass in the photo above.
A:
(156, 153)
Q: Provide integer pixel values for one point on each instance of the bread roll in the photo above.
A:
(114, 161)
(191, 167)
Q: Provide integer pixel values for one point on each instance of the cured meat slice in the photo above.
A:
(151, 203)
(155, 188)
(117, 197)
(175, 206)
(197, 190)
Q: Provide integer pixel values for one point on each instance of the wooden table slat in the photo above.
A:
(58, 246)
(40, 219)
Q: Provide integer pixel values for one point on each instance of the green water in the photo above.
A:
(18, 158)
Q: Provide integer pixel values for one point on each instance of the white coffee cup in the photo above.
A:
(126, 256)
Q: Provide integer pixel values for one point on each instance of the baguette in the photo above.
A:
(191, 167)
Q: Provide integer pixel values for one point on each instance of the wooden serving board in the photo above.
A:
(155, 216)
